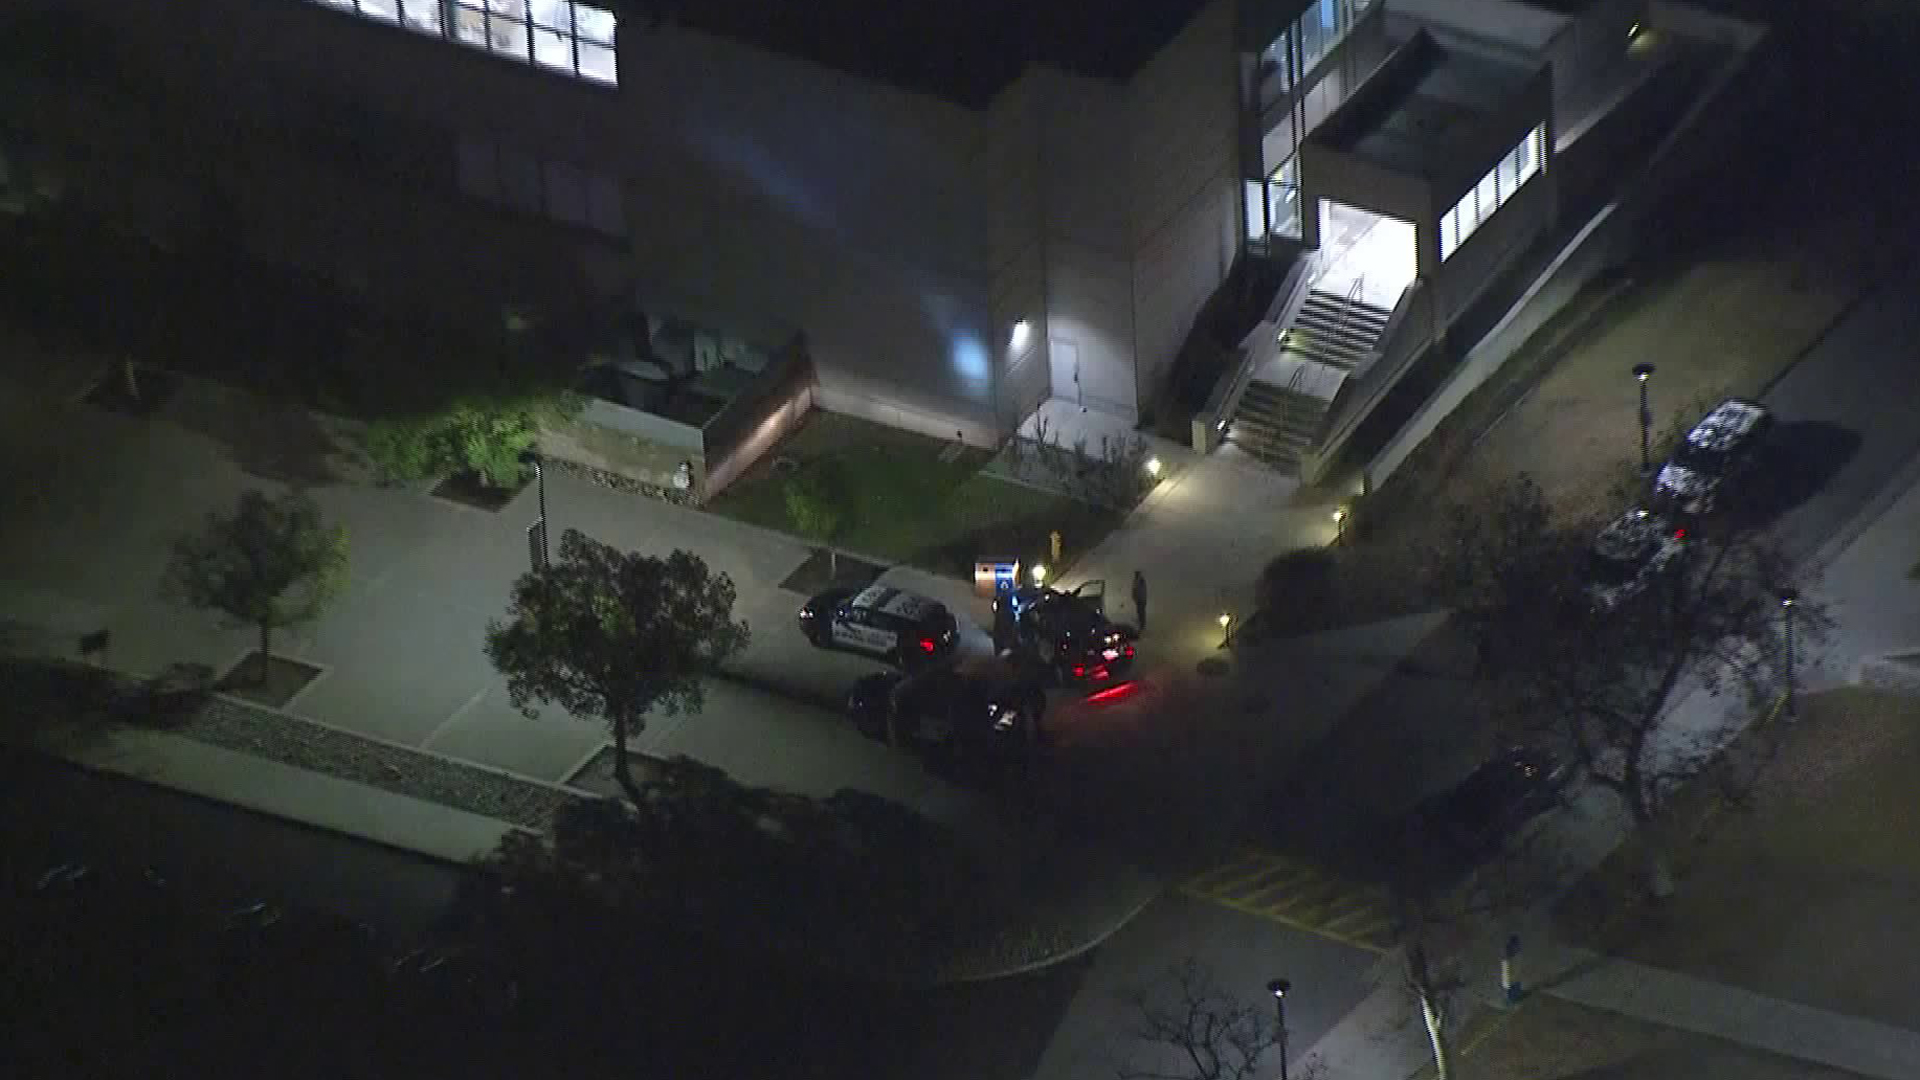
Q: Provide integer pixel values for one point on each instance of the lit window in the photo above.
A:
(422, 15)
(559, 35)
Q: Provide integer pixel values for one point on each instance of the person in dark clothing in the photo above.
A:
(1140, 599)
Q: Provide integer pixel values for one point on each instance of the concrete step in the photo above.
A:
(1335, 318)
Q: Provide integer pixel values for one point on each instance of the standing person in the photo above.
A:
(1140, 599)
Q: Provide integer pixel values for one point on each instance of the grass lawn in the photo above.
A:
(1547, 1039)
(1810, 894)
(907, 504)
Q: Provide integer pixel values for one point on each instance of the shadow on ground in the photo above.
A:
(1798, 460)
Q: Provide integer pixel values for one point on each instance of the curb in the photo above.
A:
(1070, 953)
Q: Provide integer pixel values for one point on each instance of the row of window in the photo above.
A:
(559, 35)
(1495, 188)
(558, 190)
(1311, 37)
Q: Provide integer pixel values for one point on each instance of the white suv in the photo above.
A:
(1721, 446)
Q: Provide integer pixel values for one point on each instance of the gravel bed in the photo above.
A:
(617, 482)
(249, 729)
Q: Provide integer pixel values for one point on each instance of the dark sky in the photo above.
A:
(963, 50)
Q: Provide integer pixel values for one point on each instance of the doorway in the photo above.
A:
(1370, 256)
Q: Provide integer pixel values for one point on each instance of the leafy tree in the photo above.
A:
(1500, 554)
(615, 635)
(817, 506)
(485, 439)
(271, 563)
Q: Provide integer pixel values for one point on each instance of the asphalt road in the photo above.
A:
(1846, 420)
(57, 813)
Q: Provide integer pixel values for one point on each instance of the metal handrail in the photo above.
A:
(1226, 393)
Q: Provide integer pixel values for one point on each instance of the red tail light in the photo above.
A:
(1129, 650)
(926, 644)
(1079, 670)
(1679, 534)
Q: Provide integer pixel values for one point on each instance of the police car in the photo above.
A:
(945, 712)
(900, 627)
(1718, 449)
(1067, 631)
(1631, 552)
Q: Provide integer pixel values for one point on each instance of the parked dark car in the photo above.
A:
(1477, 817)
(944, 712)
(1632, 552)
(1068, 632)
(1715, 455)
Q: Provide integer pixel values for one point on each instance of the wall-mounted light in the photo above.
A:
(1022, 332)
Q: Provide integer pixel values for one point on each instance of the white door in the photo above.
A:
(1065, 358)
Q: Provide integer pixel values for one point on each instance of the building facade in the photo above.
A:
(950, 267)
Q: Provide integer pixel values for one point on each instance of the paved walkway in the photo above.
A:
(1726, 1012)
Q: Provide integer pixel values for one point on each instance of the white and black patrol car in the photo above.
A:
(1633, 550)
(1717, 450)
(903, 628)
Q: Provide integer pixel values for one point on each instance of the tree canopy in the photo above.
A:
(615, 635)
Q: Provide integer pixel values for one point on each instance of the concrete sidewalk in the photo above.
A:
(295, 794)
(1725, 1012)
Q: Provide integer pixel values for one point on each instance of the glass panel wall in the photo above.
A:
(558, 35)
(1289, 71)
(1499, 185)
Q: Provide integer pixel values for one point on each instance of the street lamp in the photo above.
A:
(1641, 372)
(1340, 525)
(1788, 601)
(532, 457)
(1226, 628)
(1278, 988)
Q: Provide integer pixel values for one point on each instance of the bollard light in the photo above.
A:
(1039, 573)
(1153, 467)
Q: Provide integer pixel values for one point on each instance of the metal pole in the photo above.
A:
(1787, 602)
(540, 478)
(1278, 988)
(1642, 372)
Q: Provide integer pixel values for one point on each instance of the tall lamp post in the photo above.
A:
(538, 546)
(1641, 373)
(1278, 988)
(1788, 600)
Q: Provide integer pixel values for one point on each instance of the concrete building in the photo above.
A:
(952, 256)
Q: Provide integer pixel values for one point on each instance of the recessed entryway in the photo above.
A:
(1368, 256)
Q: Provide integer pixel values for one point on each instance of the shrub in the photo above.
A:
(817, 502)
(1300, 590)
(484, 439)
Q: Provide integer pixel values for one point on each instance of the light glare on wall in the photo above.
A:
(1017, 341)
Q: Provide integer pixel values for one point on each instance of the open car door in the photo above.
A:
(1094, 593)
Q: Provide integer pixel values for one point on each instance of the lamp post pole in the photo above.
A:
(532, 457)
(1788, 600)
(1278, 988)
(1641, 372)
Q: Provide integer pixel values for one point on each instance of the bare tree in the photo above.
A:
(1187, 1027)
(1600, 684)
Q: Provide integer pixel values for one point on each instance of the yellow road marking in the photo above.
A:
(1290, 893)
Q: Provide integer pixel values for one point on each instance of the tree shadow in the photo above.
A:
(273, 440)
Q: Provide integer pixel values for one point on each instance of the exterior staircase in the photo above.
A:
(1279, 414)
(1339, 331)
